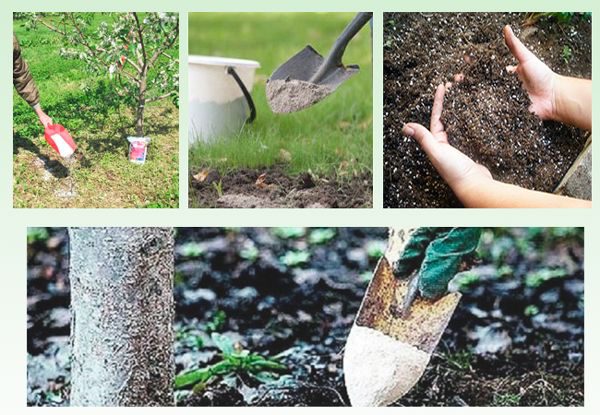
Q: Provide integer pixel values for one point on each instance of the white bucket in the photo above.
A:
(217, 104)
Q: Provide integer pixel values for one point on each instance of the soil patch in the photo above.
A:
(486, 116)
(274, 188)
(516, 338)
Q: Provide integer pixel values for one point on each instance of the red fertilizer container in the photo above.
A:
(60, 140)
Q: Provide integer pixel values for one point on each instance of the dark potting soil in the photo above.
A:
(278, 189)
(516, 338)
(486, 116)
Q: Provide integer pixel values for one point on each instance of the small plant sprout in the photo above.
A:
(465, 280)
(536, 278)
(295, 258)
(37, 235)
(567, 53)
(531, 310)
(321, 236)
(218, 186)
(217, 322)
(191, 250)
(460, 360)
(235, 360)
(375, 249)
(289, 233)
(250, 253)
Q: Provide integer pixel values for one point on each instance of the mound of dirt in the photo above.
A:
(274, 188)
(486, 116)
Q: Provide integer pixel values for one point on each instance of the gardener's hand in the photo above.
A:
(42, 116)
(553, 97)
(456, 168)
(538, 79)
(437, 254)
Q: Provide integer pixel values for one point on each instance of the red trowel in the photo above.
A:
(60, 140)
(394, 333)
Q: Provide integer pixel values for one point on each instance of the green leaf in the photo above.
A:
(224, 344)
(192, 377)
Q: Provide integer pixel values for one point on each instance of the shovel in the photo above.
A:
(394, 333)
(307, 78)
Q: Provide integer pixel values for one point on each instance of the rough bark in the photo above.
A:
(122, 314)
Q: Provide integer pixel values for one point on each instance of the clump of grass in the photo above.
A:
(460, 360)
(218, 186)
(507, 399)
(234, 361)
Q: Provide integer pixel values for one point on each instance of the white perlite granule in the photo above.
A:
(378, 369)
(294, 95)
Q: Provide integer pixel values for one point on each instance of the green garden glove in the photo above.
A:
(438, 252)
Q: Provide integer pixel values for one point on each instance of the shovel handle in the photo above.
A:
(334, 58)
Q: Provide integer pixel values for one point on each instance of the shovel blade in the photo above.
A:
(381, 310)
(291, 79)
(387, 351)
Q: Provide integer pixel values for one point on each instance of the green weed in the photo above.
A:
(234, 360)
(250, 253)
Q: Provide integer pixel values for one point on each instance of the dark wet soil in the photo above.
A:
(515, 340)
(486, 116)
(274, 188)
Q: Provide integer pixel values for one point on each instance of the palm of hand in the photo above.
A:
(538, 81)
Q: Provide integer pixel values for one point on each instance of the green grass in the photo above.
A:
(332, 137)
(86, 105)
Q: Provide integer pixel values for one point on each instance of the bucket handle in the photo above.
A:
(231, 71)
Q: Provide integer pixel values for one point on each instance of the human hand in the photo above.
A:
(454, 166)
(437, 254)
(43, 117)
(538, 79)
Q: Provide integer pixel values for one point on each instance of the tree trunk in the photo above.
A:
(141, 107)
(122, 315)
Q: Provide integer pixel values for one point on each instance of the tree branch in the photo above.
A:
(165, 46)
(140, 35)
(158, 98)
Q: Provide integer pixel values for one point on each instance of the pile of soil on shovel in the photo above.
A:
(515, 340)
(486, 116)
(274, 188)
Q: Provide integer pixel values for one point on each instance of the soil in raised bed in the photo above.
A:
(515, 339)
(486, 116)
(275, 188)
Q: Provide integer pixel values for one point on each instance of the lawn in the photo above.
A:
(100, 174)
(332, 138)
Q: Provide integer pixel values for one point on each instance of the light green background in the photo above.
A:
(14, 222)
